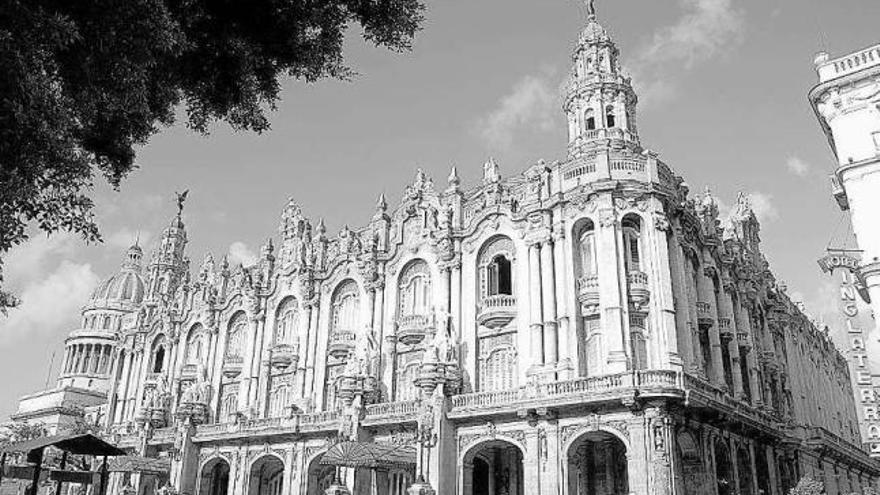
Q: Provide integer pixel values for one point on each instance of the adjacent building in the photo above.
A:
(582, 326)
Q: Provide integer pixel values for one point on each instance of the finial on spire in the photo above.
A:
(591, 7)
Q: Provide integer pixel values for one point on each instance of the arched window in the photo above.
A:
(106, 324)
(286, 322)
(588, 251)
(498, 370)
(346, 306)
(415, 289)
(230, 404)
(195, 346)
(236, 335)
(158, 355)
(500, 276)
(590, 120)
(631, 243)
(609, 116)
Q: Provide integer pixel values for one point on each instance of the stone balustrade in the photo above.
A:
(392, 412)
(704, 314)
(412, 329)
(319, 421)
(163, 435)
(588, 294)
(849, 64)
(232, 365)
(341, 343)
(496, 310)
(570, 392)
(639, 294)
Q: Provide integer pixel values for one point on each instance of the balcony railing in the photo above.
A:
(341, 343)
(725, 330)
(392, 412)
(639, 295)
(588, 294)
(284, 355)
(232, 366)
(571, 392)
(497, 310)
(412, 329)
(704, 314)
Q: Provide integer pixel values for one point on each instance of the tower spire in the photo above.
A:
(591, 7)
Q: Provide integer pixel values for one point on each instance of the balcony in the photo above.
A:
(742, 339)
(496, 311)
(639, 295)
(570, 393)
(189, 371)
(284, 356)
(341, 343)
(232, 366)
(725, 330)
(704, 314)
(588, 294)
(412, 329)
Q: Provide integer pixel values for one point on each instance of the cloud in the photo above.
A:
(706, 30)
(28, 261)
(528, 106)
(241, 254)
(764, 207)
(50, 302)
(797, 166)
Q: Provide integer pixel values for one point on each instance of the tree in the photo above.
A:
(86, 82)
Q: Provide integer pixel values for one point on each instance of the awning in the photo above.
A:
(370, 455)
(84, 444)
(138, 464)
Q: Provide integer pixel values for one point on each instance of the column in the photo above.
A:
(566, 343)
(121, 395)
(660, 273)
(304, 348)
(706, 292)
(608, 250)
(531, 464)
(313, 336)
(734, 461)
(456, 301)
(535, 305)
(548, 296)
(725, 310)
(681, 303)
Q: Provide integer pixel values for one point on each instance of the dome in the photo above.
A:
(125, 287)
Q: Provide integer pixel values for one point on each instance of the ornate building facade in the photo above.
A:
(585, 326)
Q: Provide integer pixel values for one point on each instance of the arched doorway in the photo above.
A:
(763, 470)
(744, 470)
(267, 476)
(597, 465)
(493, 468)
(320, 476)
(723, 469)
(214, 477)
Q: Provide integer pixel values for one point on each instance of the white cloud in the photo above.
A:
(28, 261)
(797, 166)
(706, 29)
(50, 300)
(529, 106)
(241, 254)
(764, 207)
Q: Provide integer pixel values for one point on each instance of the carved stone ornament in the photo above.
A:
(595, 424)
(661, 221)
(607, 218)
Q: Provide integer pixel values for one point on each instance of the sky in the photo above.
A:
(722, 87)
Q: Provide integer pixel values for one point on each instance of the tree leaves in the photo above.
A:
(86, 82)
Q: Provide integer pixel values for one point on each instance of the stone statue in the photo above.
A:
(490, 172)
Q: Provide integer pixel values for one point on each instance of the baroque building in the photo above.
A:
(847, 103)
(584, 326)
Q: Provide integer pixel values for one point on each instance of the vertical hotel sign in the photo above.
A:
(868, 407)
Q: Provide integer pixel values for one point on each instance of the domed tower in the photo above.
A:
(89, 349)
(598, 99)
(168, 264)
